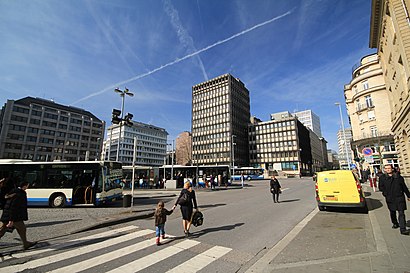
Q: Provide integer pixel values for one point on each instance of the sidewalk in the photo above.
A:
(366, 244)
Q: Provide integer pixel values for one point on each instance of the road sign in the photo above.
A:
(369, 159)
(367, 151)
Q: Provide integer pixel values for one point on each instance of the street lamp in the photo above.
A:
(344, 134)
(233, 158)
(122, 94)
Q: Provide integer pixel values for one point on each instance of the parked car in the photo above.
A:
(339, 188)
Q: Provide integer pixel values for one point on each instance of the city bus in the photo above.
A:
(150, 177)
(65, 183)
(249, 173)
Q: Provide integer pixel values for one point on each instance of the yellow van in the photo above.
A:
(339, 188)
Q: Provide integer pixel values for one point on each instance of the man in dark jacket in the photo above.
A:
(393, 187)
(15, 213)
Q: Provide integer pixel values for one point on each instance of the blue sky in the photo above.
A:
(291, 55)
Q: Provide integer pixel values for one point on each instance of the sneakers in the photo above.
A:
(29, 245)
(395, 226)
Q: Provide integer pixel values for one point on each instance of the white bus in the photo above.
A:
(65, 183)
(249, 173)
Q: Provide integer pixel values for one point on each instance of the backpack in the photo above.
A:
(197, 218)
(184, 199)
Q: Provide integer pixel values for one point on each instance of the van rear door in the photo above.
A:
(338, 187)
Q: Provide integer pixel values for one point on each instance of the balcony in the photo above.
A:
(371, 139)
(364, 106)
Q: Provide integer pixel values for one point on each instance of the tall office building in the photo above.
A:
(220, 117)
(42, 130)
(345, 148)
(310, 120)
(151, 145)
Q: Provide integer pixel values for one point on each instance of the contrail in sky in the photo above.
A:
(115, 85)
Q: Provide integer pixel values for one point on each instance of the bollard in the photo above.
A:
(126, 201)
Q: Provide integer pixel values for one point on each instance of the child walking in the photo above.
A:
(160, 219)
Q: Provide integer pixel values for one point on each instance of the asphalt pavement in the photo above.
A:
(327, 241)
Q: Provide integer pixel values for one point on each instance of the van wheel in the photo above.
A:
(57, 201)
(321, 208)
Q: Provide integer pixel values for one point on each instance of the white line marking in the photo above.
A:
(201, 260)
(155, 257)
(76, 252)
(263, 262)
(86, 264)
(69, 243)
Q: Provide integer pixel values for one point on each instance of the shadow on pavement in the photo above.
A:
(215, 229)
(375, 204)
(211, 206)
(42, 224)
(289, 200)
(347, 210)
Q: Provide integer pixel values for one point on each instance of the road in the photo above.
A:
(244, 224)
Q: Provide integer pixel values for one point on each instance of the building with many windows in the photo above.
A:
(42, 130)
(345, 148)
(150, 146)
(220, 117)
(310, 120)
(390, 34)
(284, 145)
(368, 108)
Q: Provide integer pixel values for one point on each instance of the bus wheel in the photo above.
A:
(57, 200)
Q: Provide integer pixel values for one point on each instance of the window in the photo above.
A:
(369, 102)
(371, 115)
(358, 106)
(365, 85)
(373, 131)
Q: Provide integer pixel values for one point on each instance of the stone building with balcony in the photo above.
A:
(368, 108)
(390, 35)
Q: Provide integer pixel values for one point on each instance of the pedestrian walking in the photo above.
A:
(160, 218)
(187, 202)
(394, 188)
(275, 189)
(15, 213)
(212, 181)
(242, 179)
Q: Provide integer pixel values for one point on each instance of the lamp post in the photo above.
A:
(122, 94)
(344, 134)
(233, 158)
(172, 161)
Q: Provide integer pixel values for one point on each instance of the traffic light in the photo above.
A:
(116, 116)
(127, 119)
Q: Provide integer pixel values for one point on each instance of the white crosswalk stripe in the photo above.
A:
(134, 241)
(78, 251)
(71, 242)
(200, 261)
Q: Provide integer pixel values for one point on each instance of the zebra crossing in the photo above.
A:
(105, 249)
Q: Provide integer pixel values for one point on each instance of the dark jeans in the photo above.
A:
(402, 219)
(275, 197)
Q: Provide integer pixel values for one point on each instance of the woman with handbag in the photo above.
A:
(187, 202)
(275, 189)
